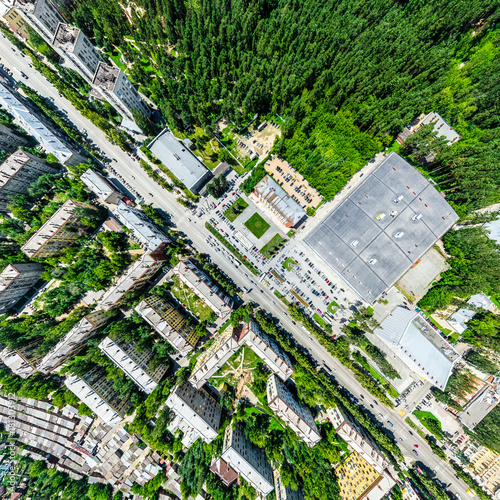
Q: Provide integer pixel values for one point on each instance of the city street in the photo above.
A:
(132, 173)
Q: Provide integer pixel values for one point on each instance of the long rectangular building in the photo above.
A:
(101, 187)
(15, 281)
(23, 361)
(203, 286)
(196, 409)
(59, 232)
(169, 323)
(98, 394)
(73, 341)
(134, 278)
(295, 415)
(134, 364)
(17, 173)
(248, 460)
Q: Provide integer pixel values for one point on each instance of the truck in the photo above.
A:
(18, 71)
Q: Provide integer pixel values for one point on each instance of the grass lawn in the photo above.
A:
(241, 203)
(379, 378)
(187, 297)
(320, 320)
(289, 264)
(257, 225)
(425, 417)
(244, 358)
(333, 307)
(290, 233)
(269, 249)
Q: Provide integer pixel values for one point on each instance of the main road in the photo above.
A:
(130, 170)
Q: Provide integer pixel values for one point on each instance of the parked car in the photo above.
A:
(390, 424)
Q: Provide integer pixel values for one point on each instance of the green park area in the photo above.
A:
(235, 209)
(289, 264)
(430, 422)
(333, 307)
(272, 246)
(257, 225)
(187, 297)
(320, 320)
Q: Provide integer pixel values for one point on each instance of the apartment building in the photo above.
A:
(9, 140)
(59, 232)
(17, 173)
(22, 361)
(485, 466)
(15, 281)
(134, 278)
(295, 415)
(101, 187)
(77, 50)
(228, 342)
(135, 365)
(42, 15)
(47, 139)
(98, 394)
(143, 230)
(116, 87)
(169, 323)
(203, 286)
(196, 413)
(73, 341)
(226, 473)
(285, 492)
(245, 458)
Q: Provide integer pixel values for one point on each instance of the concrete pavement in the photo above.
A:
(131, 171)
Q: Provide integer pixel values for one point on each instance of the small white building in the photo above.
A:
(458, 320)
(101, 187)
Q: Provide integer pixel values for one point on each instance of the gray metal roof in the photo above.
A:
(419, 345)
(179, 160)
(360, 244)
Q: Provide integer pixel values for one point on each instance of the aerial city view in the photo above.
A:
(249, 250)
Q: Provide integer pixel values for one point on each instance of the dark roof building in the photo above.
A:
(385, 225)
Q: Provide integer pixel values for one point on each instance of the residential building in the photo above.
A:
(101, 187)
(359, 480)
(141, 226)
(17, 173)
(169, 323)
(281, 205)
(73, 341)
(382, 228)
(458, 320)
(50, 142)
(358, 439)
(245, 458)
(203, 286)
(485, 466)
(196, 410)
(22, 361)
(97, 392)
(226, 473)
(135, 365)
(134, 278)
(410, 337)
(77, 50)
(42, 15)
(480, 405)
(15, 281)
(440, 125)
(228, 342)
(116, 87)
(9, 140)
(59, 232)
(16, 21)
(285, 492)
(295, 415)
(180, 160)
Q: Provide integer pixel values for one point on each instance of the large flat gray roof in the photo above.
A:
(179, 160)
(358, 239)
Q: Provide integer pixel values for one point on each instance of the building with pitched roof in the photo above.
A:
(226, 473)
(101, 187)
(59, 232)
(440, 125)
(169, 323)
(15, 281)
(135, 365)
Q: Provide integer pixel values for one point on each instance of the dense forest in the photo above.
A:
(347, 75)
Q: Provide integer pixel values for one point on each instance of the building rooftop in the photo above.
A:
(106, 76)
(98, 184)
(419, 345)
(180, 160)
(50, 142)
(385, 225)
(442, 127)
(479, 406)
(66, 37)
(142, 227)
(459, 319)
(275, 196)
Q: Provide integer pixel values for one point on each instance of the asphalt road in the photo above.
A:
(131, 171)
